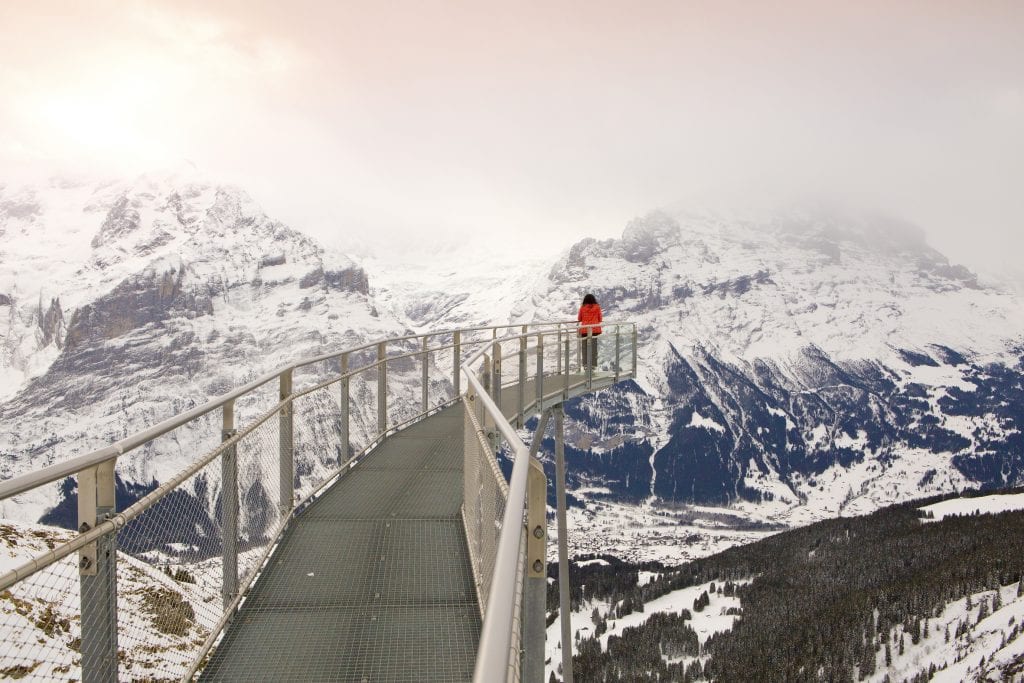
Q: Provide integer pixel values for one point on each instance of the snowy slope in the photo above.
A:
(126, 303)
(795, 365)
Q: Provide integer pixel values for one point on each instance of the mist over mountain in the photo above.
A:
(126, 303)
(794, 364)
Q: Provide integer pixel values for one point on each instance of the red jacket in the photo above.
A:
(589, 315)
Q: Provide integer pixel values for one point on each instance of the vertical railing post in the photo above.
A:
(343, 418)
(286, 496)
(382, 388)
(535, 578)
(558, 356)
(633, 368)
(565, 386)
(426, 374)
(563, 545)
(496, 373)
(522, 379)
(229, 506)
(457, 367)
(540, 371)
(618, 348)
(98, 576)
(591, 356)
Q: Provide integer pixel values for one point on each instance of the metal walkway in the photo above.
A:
(311, 537)
(380, 559)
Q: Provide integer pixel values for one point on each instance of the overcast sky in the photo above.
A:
(376, 121)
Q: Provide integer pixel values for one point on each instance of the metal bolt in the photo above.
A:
(538, 566)
(538, 532)
(84, 563)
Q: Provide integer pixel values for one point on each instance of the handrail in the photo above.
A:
(498, 623)
(496, 631)
(72, 466)
(505, 550)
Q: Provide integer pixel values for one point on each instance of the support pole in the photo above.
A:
(521, 412)
(426, 374)
(591, 357)
(343, 417)
(618, 347)
(565, 386)
(535, 580)
(633, 369)
(98, 576)
(457, 371)
(563, 546)
(229, 507)
(540, 372)
(496, 373)
(558, 356)
(538, 434)
(286, 496)
(382, 388)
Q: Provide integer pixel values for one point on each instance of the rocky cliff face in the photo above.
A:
(794, 366)
(163, 293)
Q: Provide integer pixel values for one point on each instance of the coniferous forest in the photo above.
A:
(821, 606)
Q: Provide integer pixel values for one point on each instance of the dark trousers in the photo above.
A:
(588, 356)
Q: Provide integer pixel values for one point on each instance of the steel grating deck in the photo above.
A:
(373, 581)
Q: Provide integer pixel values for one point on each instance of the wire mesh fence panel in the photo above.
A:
(169, 579)
(317, 434)
(484, 495)
(39, 616)
(362, 403)
(259, 513)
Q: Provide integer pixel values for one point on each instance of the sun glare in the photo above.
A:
(122, 113)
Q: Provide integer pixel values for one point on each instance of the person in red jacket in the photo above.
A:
(590, 314)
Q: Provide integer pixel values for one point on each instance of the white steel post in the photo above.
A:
(633, 368)
(565, 386)
(343, 418)
(457, 371)
(286, 496)
(535, 579)
(382, 388)
(98, 576)
(563, 546)
(618, 346)
(229, 507)
(558, 356)
(496, 373)
(426, 374)
(591, 357)
(522, 380)
(540, 371)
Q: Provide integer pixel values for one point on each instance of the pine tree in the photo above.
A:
(903, 643)
(888, 654)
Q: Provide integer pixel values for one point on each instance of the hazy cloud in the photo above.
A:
(546, 121)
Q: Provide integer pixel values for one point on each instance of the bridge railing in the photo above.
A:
(146, 585)
(508, 380)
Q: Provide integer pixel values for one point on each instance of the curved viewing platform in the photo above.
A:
(358, 528)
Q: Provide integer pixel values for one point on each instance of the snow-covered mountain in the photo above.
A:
(123, 304)
(794, 365)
